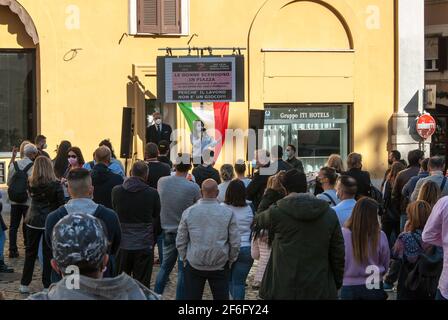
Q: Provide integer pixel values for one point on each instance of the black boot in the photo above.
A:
(4, 268)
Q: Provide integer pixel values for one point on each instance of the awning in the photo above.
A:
(20, 11)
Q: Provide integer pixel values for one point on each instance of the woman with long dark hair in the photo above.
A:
(390, 220)
(60, 163)
(75, 161)
(235, 200)
(261, 242)
(366, 253)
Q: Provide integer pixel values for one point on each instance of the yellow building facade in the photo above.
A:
(90, 62)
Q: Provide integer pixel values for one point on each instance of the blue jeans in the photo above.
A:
(239, 272)
(439, 296)
(2, 243)
(160, 246)
(170, 256)
(40, 255)
(361, 292)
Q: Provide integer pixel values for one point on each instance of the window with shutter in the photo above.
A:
(149, 16)
(159, 16)
(442, 61)
(170, 16)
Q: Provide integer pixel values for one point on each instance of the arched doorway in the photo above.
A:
(301, 73)
(18, 76)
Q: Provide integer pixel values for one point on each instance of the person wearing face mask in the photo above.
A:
(292, 158)
(346, 189)
(75, 161)
(327, 177)
(159, 131)
(41, 144)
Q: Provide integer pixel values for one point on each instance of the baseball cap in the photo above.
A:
(79, 238)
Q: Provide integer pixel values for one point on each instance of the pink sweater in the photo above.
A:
(436, 233)
(261, 251)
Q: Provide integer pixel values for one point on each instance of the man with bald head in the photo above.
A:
(208, 242)
(103, 179)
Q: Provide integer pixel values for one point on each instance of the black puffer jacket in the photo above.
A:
(45, 198)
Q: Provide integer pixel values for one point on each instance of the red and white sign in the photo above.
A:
(426, 126)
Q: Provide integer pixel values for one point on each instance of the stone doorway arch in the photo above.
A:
(24, 17)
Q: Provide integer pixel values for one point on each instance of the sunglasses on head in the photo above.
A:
(72, 156)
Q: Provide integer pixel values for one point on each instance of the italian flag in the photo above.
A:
(215, 116)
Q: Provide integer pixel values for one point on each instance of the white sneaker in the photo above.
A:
(24, 289)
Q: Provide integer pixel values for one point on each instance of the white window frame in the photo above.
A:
(185, 20)
(433, 65)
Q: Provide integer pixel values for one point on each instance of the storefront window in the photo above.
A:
(317, 131)
(17, 98)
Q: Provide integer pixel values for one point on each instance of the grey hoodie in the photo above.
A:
(83, 205)
(122, 287)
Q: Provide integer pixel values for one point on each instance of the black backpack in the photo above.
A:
(18, 187)
(376, 195)
(423, 276)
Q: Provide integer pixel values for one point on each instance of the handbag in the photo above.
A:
(423, 276)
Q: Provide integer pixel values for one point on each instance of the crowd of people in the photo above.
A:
(342, 239)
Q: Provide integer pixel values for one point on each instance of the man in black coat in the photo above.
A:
(156, 168)
(292, 160)
(277, 162)
(158, 131)
(354, 164)
(138, 208)
(103, 179)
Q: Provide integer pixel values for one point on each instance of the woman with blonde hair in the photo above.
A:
(366, 246)
(261, 246)
(430, 192)
(227, 174)
(21, 151)
(335, 161)
(46, 196)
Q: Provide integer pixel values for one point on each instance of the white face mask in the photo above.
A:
(44, 147)
(158, 121)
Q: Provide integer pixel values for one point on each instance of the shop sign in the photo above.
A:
(200, 79)
(426, 126)
(304, 113)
